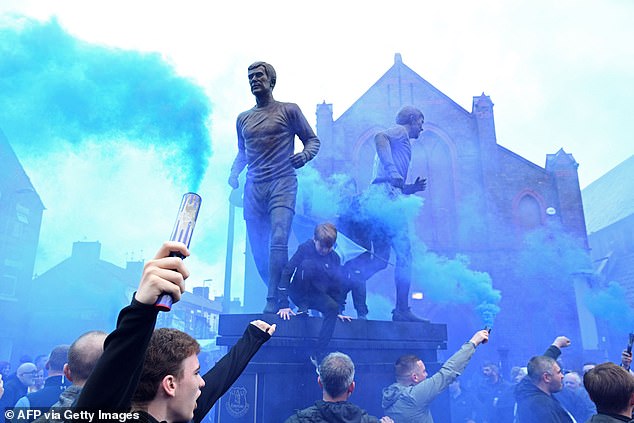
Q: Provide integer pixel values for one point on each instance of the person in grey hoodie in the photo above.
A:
(408, 399)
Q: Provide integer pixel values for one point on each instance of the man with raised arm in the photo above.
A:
(409, 398)
(534, 393)
(154, 376)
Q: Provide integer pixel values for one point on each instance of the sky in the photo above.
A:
(561, 75)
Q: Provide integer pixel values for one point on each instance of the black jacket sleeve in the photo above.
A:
(287, 274)
(553, 352)
(220, 378)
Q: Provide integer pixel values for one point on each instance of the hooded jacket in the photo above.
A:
(536, 406)
(332, 412)
(411, 403)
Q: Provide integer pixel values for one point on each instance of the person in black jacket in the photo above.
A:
(316, 274)
(54, 384)
(17, 386)
(171, 385)
(534, 394)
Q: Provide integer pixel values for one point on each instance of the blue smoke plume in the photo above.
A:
(550, 255)
(56, 89)
(451, 281)
(610, 305)
(110, 138)
(443, 280)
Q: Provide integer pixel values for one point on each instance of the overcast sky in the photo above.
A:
(561, 74)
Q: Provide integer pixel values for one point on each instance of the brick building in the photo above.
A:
(521, 223)
(85, 292)
(20, 219)
(609, 207)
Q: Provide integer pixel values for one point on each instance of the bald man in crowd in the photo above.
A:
(54, 384)
(575, 399)
(18, 387)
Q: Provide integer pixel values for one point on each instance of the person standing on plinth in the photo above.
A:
(266, 140)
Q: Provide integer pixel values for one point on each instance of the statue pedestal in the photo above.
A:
(280, 378)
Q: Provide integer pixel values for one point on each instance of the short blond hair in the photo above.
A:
(326, 234)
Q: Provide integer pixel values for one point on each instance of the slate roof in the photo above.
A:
(610, 198)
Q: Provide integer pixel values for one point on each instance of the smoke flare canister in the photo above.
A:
(182, 232)
(488, 329)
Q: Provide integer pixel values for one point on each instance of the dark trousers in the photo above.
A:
(307, 291)
(357, 271)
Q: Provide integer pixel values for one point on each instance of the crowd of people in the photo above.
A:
(153, 375)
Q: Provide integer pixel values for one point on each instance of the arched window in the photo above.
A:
(528, 212)
(432, 158)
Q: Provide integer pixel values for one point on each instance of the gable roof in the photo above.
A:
(610, 198)
(400, 72)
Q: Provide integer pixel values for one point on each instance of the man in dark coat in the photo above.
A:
(316, 275)
(54, 384)
(534, 394)
(17, 387)
(336, 378)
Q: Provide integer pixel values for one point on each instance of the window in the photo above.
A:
(22, 213)
(529, 212)
(7, 285)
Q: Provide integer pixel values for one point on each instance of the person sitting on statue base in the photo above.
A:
(313, 279)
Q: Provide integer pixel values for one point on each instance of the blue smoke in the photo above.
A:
(550, 255)
(56, 89)
(443, 280)
(610, 306)
(451, 281)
